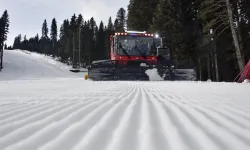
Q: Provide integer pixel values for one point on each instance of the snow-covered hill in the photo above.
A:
(70, 113)
(19, 64)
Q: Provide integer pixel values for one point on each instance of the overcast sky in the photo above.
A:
(27, 16)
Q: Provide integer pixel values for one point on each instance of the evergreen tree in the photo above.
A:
(92, 36)
(45, 42)
(110, 25)
(73, 39)
(166, 22)
(79, 20)
(244, 28)
(140, 14)
(219, 18)
(4, 26)
(45, 29)
(121, 18)
(5, 46)
(100, 42)
(108, 32)
(184, 24)
(17, 42)
(73, 24)
(24, 43)
(64, 41)
(87, 45)
(4, 29)
(116, 25)
(53, 35)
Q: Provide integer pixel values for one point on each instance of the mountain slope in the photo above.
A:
(24, 65)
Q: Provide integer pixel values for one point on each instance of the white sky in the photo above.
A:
(27, 16)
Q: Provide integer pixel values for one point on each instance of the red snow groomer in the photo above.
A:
(131, 54)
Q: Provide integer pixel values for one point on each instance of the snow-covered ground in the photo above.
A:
(19, 64)
(69, 113)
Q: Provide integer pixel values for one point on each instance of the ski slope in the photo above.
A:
(19, 64)
(68, 113)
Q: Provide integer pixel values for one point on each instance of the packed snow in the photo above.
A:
(20, 64)
(61, 111)
(246, 81)
(153, 75)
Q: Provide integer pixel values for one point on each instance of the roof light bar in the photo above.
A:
(144, 32)
(134, 33)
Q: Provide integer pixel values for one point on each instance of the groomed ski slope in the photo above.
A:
(23, 65)
(72, 114)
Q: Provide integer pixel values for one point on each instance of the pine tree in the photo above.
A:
(116, 25)
(110, 25)
(79, 37)
(5, 46)
(45, 29)
(243, 27)
(100, 42)
(25, 43)
(166, 22)
(79, 20)
(109, 31)
(53, 35)
(222, 18)
(238, 50)
(17, 42)
(4, 29)
(2, 34)
(87, 45)
(45, 44)
(92, 36)
(140, 14)
(64, 41)
(121, 18)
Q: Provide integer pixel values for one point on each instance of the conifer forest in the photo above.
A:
(213, 36)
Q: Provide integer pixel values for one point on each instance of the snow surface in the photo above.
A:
(153, 75)
(246, 81)
(69, 113)
(20, 64)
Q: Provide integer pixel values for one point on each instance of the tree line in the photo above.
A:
(4, 29)
(212, 35)
(74, 35)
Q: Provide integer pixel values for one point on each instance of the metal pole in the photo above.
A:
(161, 42)
(208, 67)
(79, 46)
(73, 50)
(216, 62)
(200, 68)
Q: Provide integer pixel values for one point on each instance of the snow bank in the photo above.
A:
(25, 65)
(153, 75)
(246, 81)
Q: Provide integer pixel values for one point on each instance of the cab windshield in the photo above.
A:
(135, 46)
